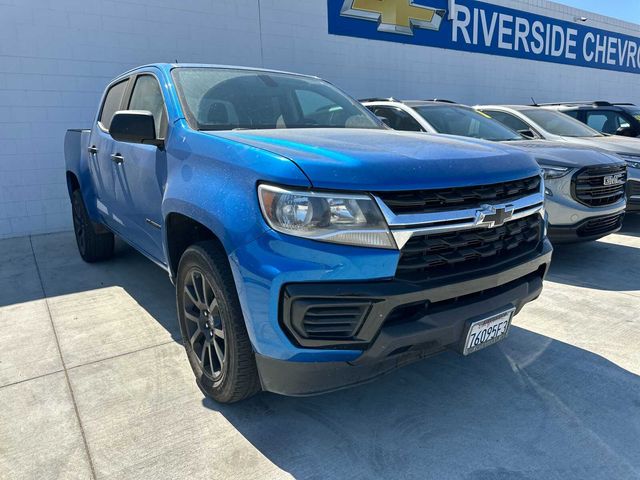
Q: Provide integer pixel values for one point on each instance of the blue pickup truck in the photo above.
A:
(311, 247)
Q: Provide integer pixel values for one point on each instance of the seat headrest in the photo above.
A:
(217, 112)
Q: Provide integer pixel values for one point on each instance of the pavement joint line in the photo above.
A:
(64, 366)
(93, 362)
(18, 382)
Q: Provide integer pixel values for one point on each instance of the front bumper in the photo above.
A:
(589, 229)
(439, 315)
(568, 219)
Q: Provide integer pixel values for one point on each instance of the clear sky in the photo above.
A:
(628, 10)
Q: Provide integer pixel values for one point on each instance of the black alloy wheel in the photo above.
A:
(95, 242)
(204, 328)
(212, 325)
(79, 226)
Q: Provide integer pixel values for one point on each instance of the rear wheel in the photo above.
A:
(93, 246)
(212, 326)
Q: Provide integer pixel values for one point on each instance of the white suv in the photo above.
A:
(585, 187)
(547, 123)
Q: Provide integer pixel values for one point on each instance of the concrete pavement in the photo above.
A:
(93, 384)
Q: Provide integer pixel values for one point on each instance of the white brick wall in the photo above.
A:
(57, 56)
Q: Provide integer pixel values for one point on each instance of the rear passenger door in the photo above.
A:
(101, 148)
(142, 176)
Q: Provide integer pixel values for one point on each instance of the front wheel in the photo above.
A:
(212, 326)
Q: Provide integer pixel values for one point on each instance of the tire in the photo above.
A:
(93, 246)
(212, 326)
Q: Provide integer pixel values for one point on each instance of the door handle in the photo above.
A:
(117, 158)
(92, 150)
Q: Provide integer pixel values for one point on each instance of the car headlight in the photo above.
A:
(633, 161)
(350, 219)
(551, 171)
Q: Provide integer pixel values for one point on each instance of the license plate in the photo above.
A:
(487, 331)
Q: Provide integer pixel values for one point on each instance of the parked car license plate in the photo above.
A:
(487, 331)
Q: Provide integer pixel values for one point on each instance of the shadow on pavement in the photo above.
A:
(631, 226)
(600, 265)
(528, 408)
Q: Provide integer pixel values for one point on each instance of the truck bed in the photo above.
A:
(76, 142)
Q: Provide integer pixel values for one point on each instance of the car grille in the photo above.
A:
(601, 225)
(424, 201)
(589, 186)
(431, 256)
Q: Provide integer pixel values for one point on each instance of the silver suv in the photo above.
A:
(549, 124)
(585, 187)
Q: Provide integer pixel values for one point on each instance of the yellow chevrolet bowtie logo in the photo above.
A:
(394, 16)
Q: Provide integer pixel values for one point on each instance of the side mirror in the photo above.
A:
(527, 133)
(626, 131)
(384, 120)
(134, 126)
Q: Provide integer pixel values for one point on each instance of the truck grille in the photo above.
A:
(601, 225)
(431, 256)
(590, 186)
(423, 201)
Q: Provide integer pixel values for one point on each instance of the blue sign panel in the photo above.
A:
(485, 28)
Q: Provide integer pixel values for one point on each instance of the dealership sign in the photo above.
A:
(482, 27)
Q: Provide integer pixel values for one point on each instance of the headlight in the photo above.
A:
(328, 217)
(550, 171)
(633, 161)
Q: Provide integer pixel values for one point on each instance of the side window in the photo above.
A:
(514, 123)
(147, 96)
(112, 103)
(606, 121)
(386, 112)
(408, 123)
(398, 119)
(571, 113)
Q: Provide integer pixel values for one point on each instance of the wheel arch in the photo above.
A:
(189, 220)
(73, 183)
(182, 231)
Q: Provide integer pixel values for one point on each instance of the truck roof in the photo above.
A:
(169, 66)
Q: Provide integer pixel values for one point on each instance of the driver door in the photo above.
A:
(142, 174)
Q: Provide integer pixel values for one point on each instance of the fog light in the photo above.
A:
(548, 192)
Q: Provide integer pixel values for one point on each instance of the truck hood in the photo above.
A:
(614, 143)
(564, 154)
(385, 160)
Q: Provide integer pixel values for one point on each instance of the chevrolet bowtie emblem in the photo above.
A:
(490, 216)
(394, 16)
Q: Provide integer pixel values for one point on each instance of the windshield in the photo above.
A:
(560, 124)
(455, 120)
(227, 99)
